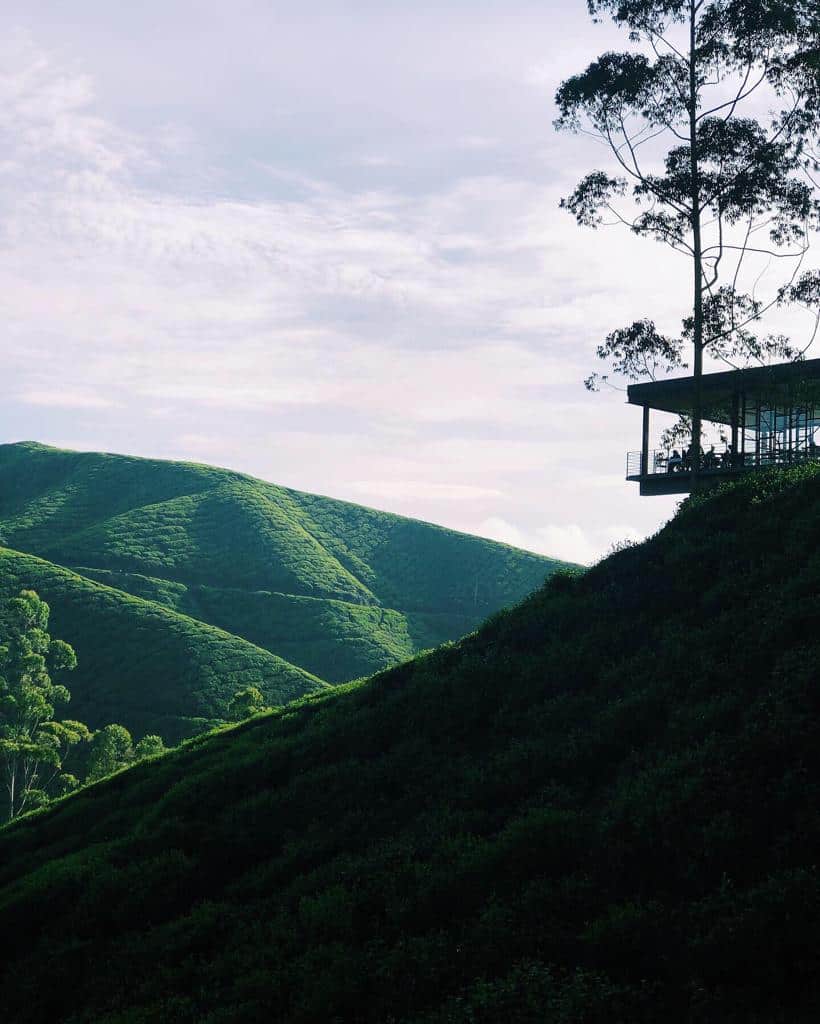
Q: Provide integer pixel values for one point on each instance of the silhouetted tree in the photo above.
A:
(710, 172)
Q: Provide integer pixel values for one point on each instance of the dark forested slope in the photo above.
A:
(603, 807)
(334, 588)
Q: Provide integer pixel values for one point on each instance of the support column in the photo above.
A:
(790, 421)
(645, 442)
(735, 419)
(743, 415)
(757, 432)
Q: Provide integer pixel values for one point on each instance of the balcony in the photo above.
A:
(667, 475)
(771, 414)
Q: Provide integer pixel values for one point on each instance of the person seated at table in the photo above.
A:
(687, 457)
(675, 461)
(728, 459)
(710, 458)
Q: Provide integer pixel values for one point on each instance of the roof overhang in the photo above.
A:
(796, 382)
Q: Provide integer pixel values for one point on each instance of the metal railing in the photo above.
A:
(661, 461)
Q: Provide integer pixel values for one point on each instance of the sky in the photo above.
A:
(320, 242)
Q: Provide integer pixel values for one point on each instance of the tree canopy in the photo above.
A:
(712, 120)
(111, 748)
(247, 702)
(33, 745)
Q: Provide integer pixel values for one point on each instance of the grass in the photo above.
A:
(602, 808)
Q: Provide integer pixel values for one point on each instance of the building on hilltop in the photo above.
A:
(769, 415)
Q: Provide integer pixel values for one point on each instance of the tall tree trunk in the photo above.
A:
(697, 251)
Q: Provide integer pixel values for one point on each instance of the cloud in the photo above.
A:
(496, 528)
(421, 489)
(375, 160)
(400, 313)
(199, 444)
(65, 399)
(46, 118)
(567, 541)
(478, 142)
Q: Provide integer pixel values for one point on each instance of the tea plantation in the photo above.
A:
(143, 664)
(336, 589)
(601, 808)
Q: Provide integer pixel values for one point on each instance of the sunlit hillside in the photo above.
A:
(334, 590)
(144, 664)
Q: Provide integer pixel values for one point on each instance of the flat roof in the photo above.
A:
(719, 389)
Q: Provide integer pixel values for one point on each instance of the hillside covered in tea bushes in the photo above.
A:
(602, 808)
(142, 663)
(175, 582)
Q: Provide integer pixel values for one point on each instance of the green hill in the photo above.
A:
(602, 808)
(143, 664)
(338, 590)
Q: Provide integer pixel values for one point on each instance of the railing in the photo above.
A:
(712, 461)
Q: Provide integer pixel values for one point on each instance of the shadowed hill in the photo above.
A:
(602, 808)
(337, 589)
(143, 664)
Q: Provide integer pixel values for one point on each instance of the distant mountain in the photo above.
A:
(602, 808)
(336, 590)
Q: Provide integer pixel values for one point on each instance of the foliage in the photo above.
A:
(246, 703)
(111, 749)
(310, 589)
(144, 665)
(711, 173)
(601, 808)
(150, 745)
(637, 351)
(33, 746)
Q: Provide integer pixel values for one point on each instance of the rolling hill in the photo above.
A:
(143, 664)
(601, 808)
(334, 590)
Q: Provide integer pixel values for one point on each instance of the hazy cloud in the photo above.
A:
(568, 541)
(337, 262)
(65, 399)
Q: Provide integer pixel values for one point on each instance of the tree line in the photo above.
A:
(42, 755)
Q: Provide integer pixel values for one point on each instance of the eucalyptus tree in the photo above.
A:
(711, 121)
(33, 745)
